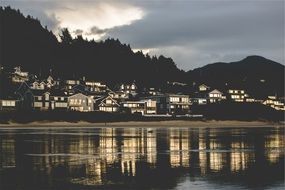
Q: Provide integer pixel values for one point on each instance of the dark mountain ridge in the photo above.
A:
(25, 42)
(258, 75)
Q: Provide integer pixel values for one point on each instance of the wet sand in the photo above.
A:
(199, 124)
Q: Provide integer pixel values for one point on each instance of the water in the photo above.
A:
(142, 158)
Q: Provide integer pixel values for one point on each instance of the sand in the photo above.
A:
(190, 124)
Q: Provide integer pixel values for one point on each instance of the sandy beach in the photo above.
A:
(196, 124)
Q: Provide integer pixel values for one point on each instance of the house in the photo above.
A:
(199, 100)
(19, 76)
(38, 85)
(69, 84)
(236, 95)
(203, 87)
(24, 92)
(273, 102)
(178, 103)
(129, 88)
(50, 82)
(95, 86)
(119, 96)
(108, 104)
(41, 99)
(152, 91)
(161, 103)
(150, 106)
(80, 102)
(145, 107)
(58, 100)
(172, 103)
(215, 96)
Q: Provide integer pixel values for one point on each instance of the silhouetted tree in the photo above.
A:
(65, 36)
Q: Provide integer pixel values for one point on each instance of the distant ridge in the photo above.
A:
(258, 75)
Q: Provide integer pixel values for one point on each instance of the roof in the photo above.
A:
(215, 91)
(38, 92)
(78, 94)
(57, 92)
(204, 85)
(200, 94)
(108, 97)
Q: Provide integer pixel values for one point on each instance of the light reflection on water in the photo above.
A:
(147, 158)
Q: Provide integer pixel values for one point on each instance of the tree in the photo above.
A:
(65, 36)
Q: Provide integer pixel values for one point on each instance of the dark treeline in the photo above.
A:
(25, 42)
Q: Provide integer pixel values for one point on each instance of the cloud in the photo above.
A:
(95, 18)
(90, 18)
(96, 30)
(197, 33)
(78, 32)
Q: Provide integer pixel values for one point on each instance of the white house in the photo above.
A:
(178, 103)
(80, 102)
(38, 85)
(109, 104)
(273, 102)
(129, 88)
(145, 107)
(203, 87)
(19, 76)
(237, 95)
(215, 96)
(95, 86)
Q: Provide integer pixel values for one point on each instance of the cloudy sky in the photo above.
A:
(192, 32)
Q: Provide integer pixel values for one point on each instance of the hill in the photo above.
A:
(25, 42)
(258, 75)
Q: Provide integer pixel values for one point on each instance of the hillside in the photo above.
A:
(258, 75)
(26, 43)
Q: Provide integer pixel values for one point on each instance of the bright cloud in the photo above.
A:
(94, 19)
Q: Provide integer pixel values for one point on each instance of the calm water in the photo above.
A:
(142, 158)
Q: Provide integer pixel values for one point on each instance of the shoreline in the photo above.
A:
(148, 124)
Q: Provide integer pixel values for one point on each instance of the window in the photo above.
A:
(174, 99)
(55, 98)
(47, 96)
(39, 98)
(109, 109)
(38, 104)
(185, 99)
(8, 103)
(61, 104)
